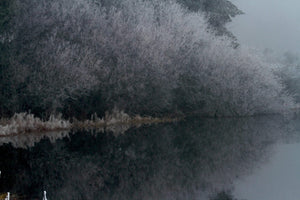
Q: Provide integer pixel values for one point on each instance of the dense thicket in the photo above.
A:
(6, 13)
(147, 57)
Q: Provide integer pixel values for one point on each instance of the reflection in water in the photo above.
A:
(29, 140)
(192, 159)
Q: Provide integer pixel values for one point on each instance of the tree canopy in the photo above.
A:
(148, 57)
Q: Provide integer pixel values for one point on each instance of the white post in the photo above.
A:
(8, 196)
(45, 198)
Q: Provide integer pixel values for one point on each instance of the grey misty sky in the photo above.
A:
(273, 24)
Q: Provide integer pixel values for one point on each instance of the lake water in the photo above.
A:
(253, 158)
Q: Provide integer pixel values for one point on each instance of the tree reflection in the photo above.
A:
(192, 159)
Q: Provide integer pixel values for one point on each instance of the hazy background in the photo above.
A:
(273, 24)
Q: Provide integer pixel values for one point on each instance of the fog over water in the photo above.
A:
(273, 24)
(278, 179)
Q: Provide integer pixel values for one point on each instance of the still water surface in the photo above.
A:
(216, 159)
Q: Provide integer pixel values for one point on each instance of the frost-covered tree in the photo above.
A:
(6, 13)
(217, 12)
(6, 92)
(48, 62)
(146, 57)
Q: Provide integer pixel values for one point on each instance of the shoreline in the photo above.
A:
(25, 123)
(115, 121)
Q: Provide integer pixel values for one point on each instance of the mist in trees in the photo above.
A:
(290, 73)
(145, 57)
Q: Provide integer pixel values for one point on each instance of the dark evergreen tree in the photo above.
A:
(218, 12)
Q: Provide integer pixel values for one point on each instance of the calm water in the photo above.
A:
(216, 159)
